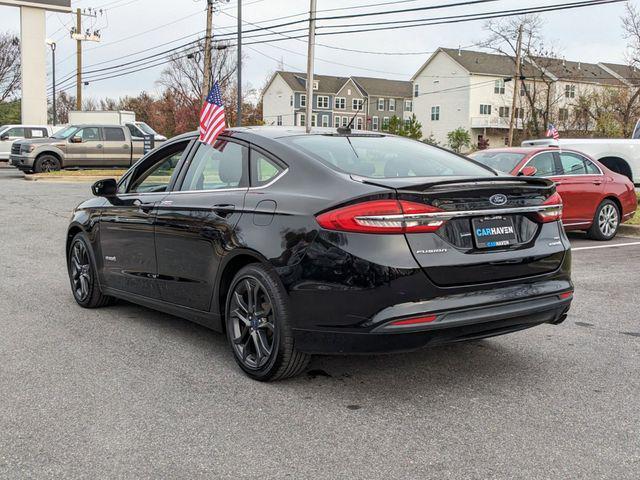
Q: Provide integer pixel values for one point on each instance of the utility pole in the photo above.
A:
(516, 85)
(53, 46)
(239, 67)
(206, 87)
(79, 60)
(310, 55)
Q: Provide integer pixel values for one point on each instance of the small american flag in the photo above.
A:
(553, 132)
(212, 118)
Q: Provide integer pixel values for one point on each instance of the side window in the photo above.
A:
(38, 133)
(592, 169)
(545, 164)
(157, 176)
(572, 164)
(114, 135)
(263, 169)
(221, 166)
(89, 134)
(17, 132)
(133, 130)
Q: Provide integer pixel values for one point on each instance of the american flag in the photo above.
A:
(553, 132)
(212, 118)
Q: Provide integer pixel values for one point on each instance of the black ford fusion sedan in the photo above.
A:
(331, 242)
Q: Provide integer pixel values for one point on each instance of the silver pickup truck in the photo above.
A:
(84, 146)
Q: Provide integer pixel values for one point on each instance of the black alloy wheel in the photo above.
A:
(46, 164)
(82, 274)
(258, 327)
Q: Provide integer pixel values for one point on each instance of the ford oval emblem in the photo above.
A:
(498, 200)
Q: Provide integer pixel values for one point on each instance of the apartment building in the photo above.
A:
(371, 102)
(474, 90)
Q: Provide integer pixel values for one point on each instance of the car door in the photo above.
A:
(85, 148)
(127, 224)
(195, 227)
(116, 147)
(580, 185)
(7, 139)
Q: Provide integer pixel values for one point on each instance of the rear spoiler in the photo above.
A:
(425, 183)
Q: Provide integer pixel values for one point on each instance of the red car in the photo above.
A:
(595, 198)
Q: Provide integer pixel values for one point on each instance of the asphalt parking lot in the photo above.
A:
(131, 393)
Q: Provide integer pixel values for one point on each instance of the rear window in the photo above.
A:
(501, 161)
(385, 157)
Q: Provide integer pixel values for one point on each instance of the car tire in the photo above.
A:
(605, 222)
(83, 274)
(46, 163)
(258, 326)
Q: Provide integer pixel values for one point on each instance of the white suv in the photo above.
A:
(11, 133)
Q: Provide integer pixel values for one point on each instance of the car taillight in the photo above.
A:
(554, 211)
(382, 216)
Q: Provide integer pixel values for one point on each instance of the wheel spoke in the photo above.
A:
(84, 285)
(241, 317)
(250, 288)
(263, 341)
(241, 303)
(242, 339)
(266, 326)
(266, 310)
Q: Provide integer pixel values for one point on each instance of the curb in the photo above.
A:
(629, 230)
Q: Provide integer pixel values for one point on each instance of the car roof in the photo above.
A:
(275, 133)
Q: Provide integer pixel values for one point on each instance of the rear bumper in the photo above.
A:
(464, 322)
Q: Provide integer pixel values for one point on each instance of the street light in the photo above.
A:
(53, 45)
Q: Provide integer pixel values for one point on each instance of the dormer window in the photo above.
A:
(316, 84)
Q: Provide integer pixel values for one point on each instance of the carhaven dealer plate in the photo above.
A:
(493, 232)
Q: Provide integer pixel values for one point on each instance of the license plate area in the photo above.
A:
(494, 232)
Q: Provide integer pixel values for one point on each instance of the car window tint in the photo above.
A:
(157, 177)
(16, 132)
(216, 167)
(265, 169)
(544, 164)
(591, 168)
(90, 134)
(385, 157)
(572, 164)
(114, 135)
(502, 161)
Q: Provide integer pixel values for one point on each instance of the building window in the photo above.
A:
(323, 101)
(570, 91)
(345, 121)
(407, 122)
(303, 100)
(302, 120)
(359, 123)
(279, 121)
(316, 85)
(504, 112)
(374, 124)
(435, 114)
(356, 104)
(485, 109)
(385, 123)
(506, 141)
(523, 89)
(381, 104)
(416, 90)
(341, 103)
(392, 104)
(520, 113)
(563, 114)
(408, 106)
(291, 101)
(325, 120)
(498, 87)
(314, 120)
(336, 121)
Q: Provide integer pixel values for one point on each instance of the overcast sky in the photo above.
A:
(590, 35)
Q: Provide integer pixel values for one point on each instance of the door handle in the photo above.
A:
(143, 207)
(224, 209)
(99, 146)
(126, 146)
(598, 182)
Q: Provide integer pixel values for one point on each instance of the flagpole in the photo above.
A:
(310, 55)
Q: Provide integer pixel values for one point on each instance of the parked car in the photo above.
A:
(87, 146)
(595, 198)
(334, 243)
(115, 117)
(618, 155)
(11, 133)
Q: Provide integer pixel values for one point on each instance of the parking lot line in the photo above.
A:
(606, 246)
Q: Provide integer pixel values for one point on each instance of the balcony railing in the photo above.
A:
(494, 122)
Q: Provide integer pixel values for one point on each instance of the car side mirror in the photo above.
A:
(4, 137)
(76, 140)
(105, 188)
(528, 171)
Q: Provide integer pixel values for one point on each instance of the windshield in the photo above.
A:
(145, 128)
(502, 161)
(385, 157)
(65, 133)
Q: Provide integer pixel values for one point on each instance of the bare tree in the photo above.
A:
(9, 66)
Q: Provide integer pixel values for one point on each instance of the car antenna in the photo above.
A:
(347, 130)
